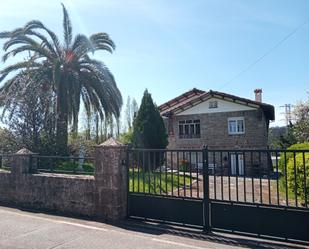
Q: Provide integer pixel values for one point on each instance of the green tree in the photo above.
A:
(288, 138)
(64, 67)
(30, 116)
(301, 126)
(148, 127)
(9, 143)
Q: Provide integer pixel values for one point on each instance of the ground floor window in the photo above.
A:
(237, 164)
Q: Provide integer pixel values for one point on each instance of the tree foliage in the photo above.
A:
(30, 115)
(148, 128)
(297, 176)
(9, 142)
(65, 68)
(301, 126)
(281, 137)
(130, 113)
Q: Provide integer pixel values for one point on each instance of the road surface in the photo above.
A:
(23, 229)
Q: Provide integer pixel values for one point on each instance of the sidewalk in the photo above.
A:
(23, 229)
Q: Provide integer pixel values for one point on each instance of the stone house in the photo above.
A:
(222, 122)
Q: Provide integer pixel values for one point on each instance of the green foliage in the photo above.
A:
(184, 165)
(63, 68)
(289, 155)
(30, 118)
(296, 180)
(126, 137)
(73, 167)
(281, 137)
(76, 144)
(301, 126)
(8, 142)
(148, 127)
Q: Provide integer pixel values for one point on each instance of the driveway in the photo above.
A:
(22, 229)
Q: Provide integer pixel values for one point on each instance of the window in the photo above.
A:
(189, 129)
(213, 104)
(236, 125)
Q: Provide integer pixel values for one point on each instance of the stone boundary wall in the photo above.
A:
(66, 194)
(102, 196)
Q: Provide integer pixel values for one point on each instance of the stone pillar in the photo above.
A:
(111, 180)
(23, 162)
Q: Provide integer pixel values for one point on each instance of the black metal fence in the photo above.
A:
(253, 192)
(166, 172)
(64, 165)
(6, 161)
(268, 177)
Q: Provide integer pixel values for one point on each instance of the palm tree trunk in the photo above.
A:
(62, 122)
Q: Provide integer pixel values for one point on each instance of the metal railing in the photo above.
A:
(263, 177)
(175, 173)
(64, 165)
(260, 177)
(6, 161)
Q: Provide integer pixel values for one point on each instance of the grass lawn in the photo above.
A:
(149, 182)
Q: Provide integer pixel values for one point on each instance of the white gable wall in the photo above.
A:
(223, 106)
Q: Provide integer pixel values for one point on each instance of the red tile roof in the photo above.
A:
(180, 100)
(195, 96)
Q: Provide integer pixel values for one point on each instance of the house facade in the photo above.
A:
(218, 120)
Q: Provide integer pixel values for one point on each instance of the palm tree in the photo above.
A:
(64, 68)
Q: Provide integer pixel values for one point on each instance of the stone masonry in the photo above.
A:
(103, 195)
(214, 134)
(214, 131)
(111, 180)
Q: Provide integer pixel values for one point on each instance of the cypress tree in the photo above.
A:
(148, 128)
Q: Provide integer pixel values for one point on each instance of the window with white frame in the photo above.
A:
(189, 129)
(236, 125)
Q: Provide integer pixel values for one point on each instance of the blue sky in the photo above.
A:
(171, 46)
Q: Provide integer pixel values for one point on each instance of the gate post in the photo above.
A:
(206, 204)
(111, 180)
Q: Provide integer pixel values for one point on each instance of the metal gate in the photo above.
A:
(265, 196)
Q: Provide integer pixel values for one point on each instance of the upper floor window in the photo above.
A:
(213, 104)
(236, 125)
(189, 129)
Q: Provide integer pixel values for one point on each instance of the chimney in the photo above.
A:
(258, 95)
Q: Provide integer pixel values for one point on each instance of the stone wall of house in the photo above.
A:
(214, 134)
(214, 131)
(67, 194)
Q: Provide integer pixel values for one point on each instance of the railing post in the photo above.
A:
(129, 150)
(206, 204)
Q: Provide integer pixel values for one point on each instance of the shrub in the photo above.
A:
(73, 166)
(290, 155)
(184, 165)
(296, 181)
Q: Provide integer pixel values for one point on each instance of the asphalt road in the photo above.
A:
(22, 229)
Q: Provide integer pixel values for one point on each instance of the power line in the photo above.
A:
(266, 53)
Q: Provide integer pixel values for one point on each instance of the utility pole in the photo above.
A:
(287, 113)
